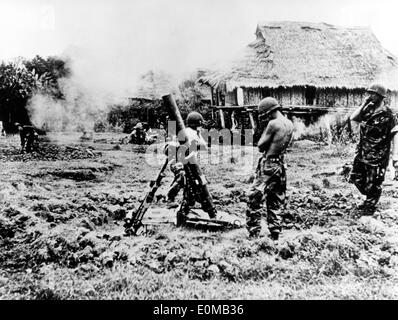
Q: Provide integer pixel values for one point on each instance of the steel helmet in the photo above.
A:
(139, 126)
(194, 119)
(379, 89)
(267, 105)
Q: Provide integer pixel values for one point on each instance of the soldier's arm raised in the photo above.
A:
(356, 115)
(267, 137)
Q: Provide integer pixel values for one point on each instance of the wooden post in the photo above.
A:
(253, 124)
(222, 119)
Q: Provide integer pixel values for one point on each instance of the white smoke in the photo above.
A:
(321, 129)
(79, 110)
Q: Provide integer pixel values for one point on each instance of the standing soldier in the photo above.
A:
(191, 195)
(270, 181)
(377, 128)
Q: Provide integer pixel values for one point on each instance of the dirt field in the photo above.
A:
(61, 230)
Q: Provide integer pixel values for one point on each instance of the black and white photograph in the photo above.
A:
(201, 150)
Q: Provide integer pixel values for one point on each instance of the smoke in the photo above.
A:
(79, 110)
(322, 129)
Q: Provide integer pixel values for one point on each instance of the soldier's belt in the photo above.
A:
(273, 158)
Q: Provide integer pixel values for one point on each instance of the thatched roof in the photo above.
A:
(298, 53)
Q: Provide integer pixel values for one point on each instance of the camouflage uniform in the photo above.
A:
(191, 196)
(195, 189)
(28, 136)
(138, 136)
(269, 185)
(178, 182)
(372, 154)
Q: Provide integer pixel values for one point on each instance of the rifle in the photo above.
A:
(192, 169)
(133, 220)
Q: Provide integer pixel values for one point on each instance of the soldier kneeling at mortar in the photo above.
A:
(270, 181)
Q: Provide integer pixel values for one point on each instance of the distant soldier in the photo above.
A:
(138, 135)
(378, 127)
(270, 181)
(87, 135)
(28, 136)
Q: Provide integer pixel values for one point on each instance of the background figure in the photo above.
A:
(270, 181)
(28, 136)
(378, 127)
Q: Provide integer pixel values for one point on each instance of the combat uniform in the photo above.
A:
(178, 181)
(269, 185)
(191, 195)
(138, 136)
(28, 136)
(372, 154)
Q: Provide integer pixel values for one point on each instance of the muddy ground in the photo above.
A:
(61, 229)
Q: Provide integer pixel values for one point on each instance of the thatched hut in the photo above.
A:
(305, 64)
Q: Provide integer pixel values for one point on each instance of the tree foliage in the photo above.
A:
(21, 79)
(191, 93)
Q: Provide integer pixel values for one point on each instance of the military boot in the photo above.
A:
(181, 218)
(366, 209)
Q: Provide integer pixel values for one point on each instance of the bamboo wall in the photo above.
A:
(332, 98)
(393, 99)
(231, 98)
(327, 97)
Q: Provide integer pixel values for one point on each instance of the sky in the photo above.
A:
(112, 42)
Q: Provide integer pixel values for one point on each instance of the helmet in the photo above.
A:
(378, 88)
(194, 119)
(267, 105)
(139, 126)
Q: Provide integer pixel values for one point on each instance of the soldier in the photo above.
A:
(194, 140)
(377, 126)
(28, 135)
(270, 181)
(138, 135)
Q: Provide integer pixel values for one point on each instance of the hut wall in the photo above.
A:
(298, 96)
(342, 97)
(326, 97)
(285, 96)
(358, 97)
(231, 98)
(252, 96)
(393, 99)
(334, 98)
